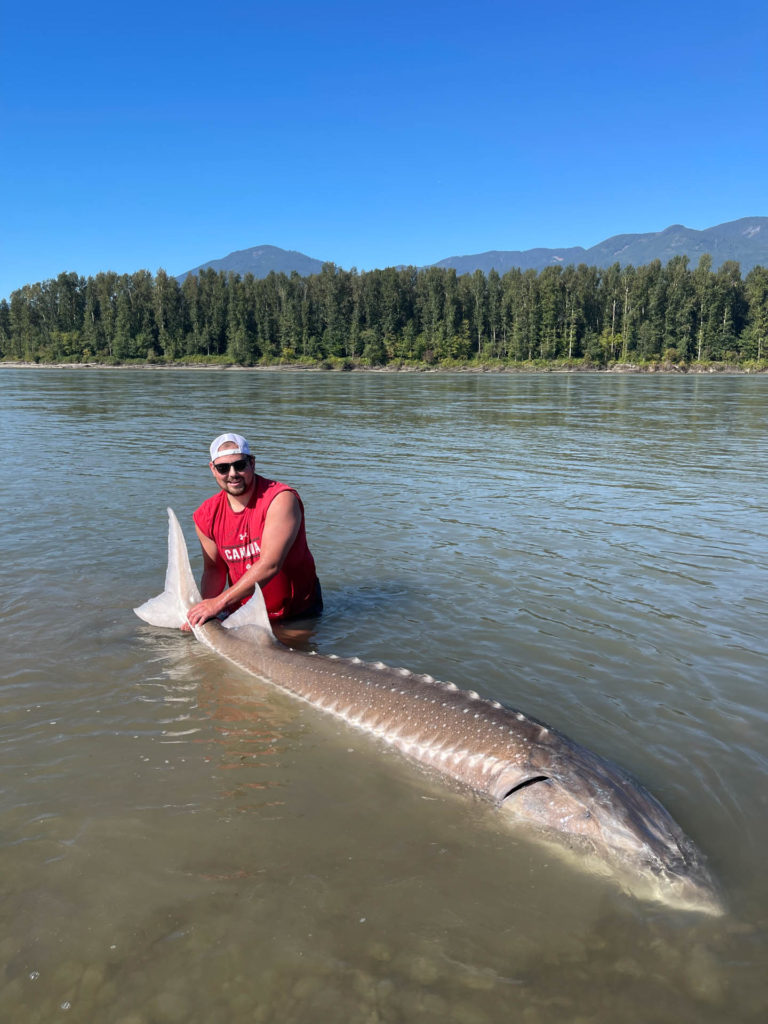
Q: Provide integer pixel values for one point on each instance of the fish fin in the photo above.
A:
(170, 608)
(253, 614)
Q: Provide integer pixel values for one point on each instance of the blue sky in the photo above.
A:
(166, 134)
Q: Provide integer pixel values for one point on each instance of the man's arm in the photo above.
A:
(281, 526)
(214, 577)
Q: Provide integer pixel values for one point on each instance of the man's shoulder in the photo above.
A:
(271, 487)
(268, 490)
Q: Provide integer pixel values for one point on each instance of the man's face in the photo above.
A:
(233, 473)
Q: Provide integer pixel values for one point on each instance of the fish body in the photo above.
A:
(535, 774)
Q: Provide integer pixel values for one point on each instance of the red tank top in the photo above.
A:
(238, 539)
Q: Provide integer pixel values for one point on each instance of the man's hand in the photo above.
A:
(204, 610)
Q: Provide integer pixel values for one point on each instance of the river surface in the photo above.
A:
(181, 843)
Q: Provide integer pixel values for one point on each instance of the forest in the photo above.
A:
(397, 317)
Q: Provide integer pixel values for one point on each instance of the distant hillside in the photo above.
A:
(259, 261)
(503, 260)
(744, 240)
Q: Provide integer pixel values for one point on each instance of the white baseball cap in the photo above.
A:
(241, 446)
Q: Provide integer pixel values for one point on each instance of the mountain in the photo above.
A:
(259, 261)
(744, 240)
(503, 260)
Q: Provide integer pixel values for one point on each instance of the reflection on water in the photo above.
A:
(183, 843)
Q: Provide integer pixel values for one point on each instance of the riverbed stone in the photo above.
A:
(13, 992)
(629, 966)
(704, 976)
(385, 989)
(478, 981)
(306, 986)
(430, 1004)
(468, 1013)
(67, 975)
(91, 981)
(423, 970)
(169, 1008)
(380, 952)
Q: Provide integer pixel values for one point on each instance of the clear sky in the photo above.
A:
(166, 134)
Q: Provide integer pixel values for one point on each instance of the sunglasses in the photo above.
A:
(223, 468)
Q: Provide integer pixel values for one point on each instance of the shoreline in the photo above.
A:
(659, 367)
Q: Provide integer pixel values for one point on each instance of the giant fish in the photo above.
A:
(544, 782)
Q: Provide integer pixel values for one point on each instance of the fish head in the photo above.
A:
(592, 807)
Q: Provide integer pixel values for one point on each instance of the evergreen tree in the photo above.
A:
(168, 314)
(92, 333)
(610, 302)
(730, 309)
(384, 315)
(704, 291)
(756, 294)
(552, 292)
(680, 309)
(495, 297)
(5, 329)
(192, 302)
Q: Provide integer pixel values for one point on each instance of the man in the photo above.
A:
(252, 534)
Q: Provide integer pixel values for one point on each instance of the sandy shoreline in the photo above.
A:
(625, 368)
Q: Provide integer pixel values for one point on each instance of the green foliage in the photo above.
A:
(571, 317)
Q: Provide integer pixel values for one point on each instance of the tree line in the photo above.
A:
(396, 315)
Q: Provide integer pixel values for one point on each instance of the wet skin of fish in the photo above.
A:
(537, 776)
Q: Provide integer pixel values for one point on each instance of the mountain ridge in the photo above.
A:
(744, 240)
(261, 260)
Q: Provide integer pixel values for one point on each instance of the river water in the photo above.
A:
(181, 843)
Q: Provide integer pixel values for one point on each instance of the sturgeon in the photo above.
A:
(536, 775)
